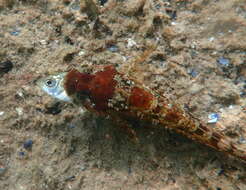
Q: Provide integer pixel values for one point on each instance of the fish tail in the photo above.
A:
(196, 130)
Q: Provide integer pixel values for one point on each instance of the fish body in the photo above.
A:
(106, 91)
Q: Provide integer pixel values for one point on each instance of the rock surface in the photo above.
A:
(71, 149)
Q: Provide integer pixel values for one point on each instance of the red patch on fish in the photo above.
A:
(99, 87)
(140, 98)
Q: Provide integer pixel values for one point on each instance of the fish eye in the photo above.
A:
(50, 83)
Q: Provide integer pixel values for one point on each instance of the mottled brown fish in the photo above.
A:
(104, 90)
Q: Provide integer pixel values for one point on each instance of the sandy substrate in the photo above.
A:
(196, 55)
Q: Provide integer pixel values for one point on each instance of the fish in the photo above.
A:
(104, 90)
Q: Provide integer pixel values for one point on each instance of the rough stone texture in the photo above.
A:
(76, 150)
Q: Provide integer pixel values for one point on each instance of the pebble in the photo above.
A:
(6, 66)
(213, 118)
(21, 153)
(28, 144)
(192, 72)
(68, 40)
(223, 61)
(242, 140)
(71, 126)
(240, 79)
(75, 6)
(15, 32)
(1, 113)
(2, 170)
(54, 109)
(243, 94)
(221, 171)
(113, 48)
(102, 2)
(83, 168)
(66, 1)
(70, 178)
(172, 14)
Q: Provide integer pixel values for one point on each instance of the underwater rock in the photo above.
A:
(5, 67)
(28, 144)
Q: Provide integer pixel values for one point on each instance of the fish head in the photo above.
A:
(54, 86)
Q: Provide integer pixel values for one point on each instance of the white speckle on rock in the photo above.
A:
(124, 58)
(213, 118)
(19, 110)
(82, 111)
(131, 43)
(173, 23)
(20, 93)
(214, 53)
(211, 39)
(231, 107)
(81, 53)
(43, 42)
(1, 113)
(193, 45)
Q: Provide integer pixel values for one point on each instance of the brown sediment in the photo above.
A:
(90, 8)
